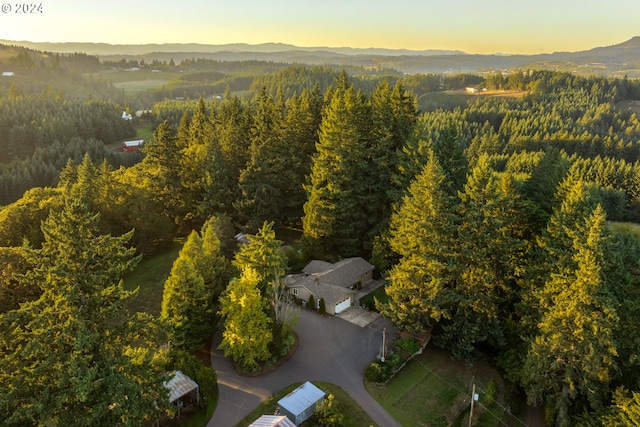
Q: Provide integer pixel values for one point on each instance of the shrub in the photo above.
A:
(375, 372)
(491, 392)
(287, 343)
(408, 345)
(328, 413)
(323, 309)
(312, 302)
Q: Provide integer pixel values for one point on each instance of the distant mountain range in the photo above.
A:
(617, 60)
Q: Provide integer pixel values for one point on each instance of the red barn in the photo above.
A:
(131, 146)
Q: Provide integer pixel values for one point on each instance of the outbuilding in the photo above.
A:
(301, 403)
(131, 146)
(181, 385)
(272, 421)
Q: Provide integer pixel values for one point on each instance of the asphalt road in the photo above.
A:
(330, 350)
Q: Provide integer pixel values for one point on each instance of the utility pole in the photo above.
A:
(473, 398)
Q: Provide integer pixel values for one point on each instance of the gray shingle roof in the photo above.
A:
(330, 282)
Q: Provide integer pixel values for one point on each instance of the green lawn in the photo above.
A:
(354, 415)
(369, 300)
(150, 276)
(434, 390)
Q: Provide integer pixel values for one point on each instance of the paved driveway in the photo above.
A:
(330, 350)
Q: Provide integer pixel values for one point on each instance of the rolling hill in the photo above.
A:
(616, 60)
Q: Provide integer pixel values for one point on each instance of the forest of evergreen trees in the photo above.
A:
(507, 223)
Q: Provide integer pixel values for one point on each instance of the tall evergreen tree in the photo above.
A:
(75, 356)
(161, 171)
(263, 181)
(186, 305)
(450, 154)
(340, 181)
(299, 139)
(423, 234)
(247, 334)
(573, 354)
(191, 292)
(232, 125)
(394, 116)
(488, 258)
(264, 255)
(540, 189)
(196, 160)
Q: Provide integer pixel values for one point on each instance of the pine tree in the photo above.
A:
(394, 117)
(340, 181)
(264, 255)
(299, 139)
(247, 334)
(573, 354)
(488, 259)
(540, 189)
(74, 356)
(191, 292)
(186, 306)
(422, 233)
(263, 181)
(160, 169)
(625, 410)
(450, 154)
(232, 125)
(214, 267)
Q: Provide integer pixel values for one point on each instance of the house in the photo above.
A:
(131, 146)
(301, 403)
(336, 284)
(272, 421)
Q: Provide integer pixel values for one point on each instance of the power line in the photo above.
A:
(466, 393)
(503, 408)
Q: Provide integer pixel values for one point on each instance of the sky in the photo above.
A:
(472, 26)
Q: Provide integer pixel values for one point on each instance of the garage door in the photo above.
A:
(343, 305)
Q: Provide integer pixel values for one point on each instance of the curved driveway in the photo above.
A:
(330, 350)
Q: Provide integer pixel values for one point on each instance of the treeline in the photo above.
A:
(253, 76)
(40, 133)
(50, 113)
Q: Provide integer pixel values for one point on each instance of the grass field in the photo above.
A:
(433, 390)
(354, 416)
(135, 81)
(145, 130)
(150, 276)
(449, 100)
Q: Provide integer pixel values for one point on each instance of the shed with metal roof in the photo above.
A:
(301, 403)
(272, 421)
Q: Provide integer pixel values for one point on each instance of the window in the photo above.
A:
(294, 291)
